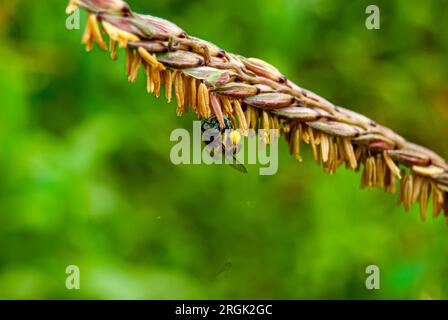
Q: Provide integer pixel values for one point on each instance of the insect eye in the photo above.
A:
(227, 123)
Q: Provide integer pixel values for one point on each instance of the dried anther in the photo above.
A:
(270, 100)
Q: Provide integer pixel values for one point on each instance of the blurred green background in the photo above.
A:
(86, 178)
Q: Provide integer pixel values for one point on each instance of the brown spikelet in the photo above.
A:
(372, 178)
(285, 127)
(266, 126)
(203, 101)
(424, 196)
(227, 108)
(333, 161)
(150, 59)
(275, 122)
(406, 191)
(118, 35)
(129, 60)
(428, 171)
(135, 68)
(445, 205)
(306, 135)
(418, 180)
(156, 78)
(437, 200)
(87, 37)
(249, 116)
(295, 139)
(217, 110)
(349, 153)
(95, 30)
(342, 154)
(391, 184)
(149, 82)
(200, 99)
(317, 134)
(364, 177)
(179, 93)
(313, 143)
(254, 118)
(380, 171)
(168, 85)
(338, 153)
(400, 198)
(391, 164)
(113, 49)
(193, 94)
(371, 165)
(241, 117)
(324, 147)
(187, 92)
(359, 154)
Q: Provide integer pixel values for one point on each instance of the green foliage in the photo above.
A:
(86, 177)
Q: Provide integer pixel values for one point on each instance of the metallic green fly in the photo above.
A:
(228, 140)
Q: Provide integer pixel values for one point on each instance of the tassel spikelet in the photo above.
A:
(168, 85)
(203, 101)
(253, 94)
(295, 135)
(113, 49)
(149, 83)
